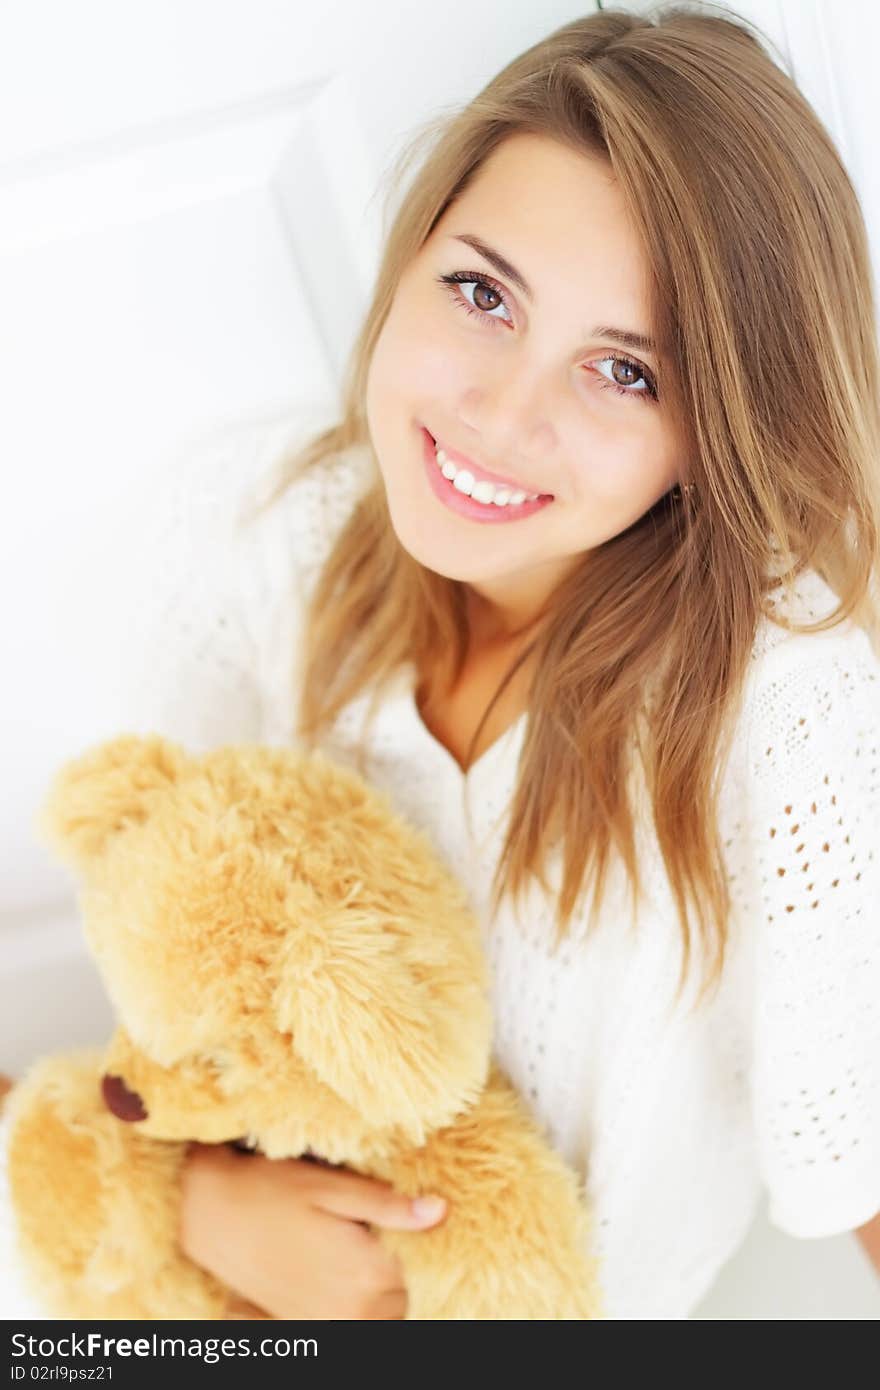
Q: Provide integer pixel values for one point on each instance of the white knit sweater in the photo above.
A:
(678, 1123)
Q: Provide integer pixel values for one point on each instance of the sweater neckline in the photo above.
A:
(402, 698)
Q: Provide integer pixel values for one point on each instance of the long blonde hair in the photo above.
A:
(761, 296)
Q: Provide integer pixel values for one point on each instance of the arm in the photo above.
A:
(813, 802)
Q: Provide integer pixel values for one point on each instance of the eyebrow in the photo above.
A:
(624, 336)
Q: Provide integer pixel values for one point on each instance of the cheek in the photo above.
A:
(627, 470)
(417, 360)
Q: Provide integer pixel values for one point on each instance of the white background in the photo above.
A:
(190, 216)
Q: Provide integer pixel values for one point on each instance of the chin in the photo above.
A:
(409, 529)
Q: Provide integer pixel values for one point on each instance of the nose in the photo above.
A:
(120, 1101)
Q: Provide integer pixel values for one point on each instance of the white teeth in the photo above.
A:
(483, 492)
(464, 481)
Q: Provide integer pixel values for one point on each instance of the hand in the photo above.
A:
(291, 1238)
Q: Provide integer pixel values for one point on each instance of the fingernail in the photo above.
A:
(428, 1208)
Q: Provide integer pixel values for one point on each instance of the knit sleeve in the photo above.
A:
(814, 787)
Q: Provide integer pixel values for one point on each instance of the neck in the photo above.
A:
(510, 609)
(499, 624)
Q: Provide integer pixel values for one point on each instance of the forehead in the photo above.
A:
(535, 182)
(544, 158)
(559, 217)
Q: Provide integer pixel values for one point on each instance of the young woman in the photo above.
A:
(585, 577)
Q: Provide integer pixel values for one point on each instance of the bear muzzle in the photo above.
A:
(120, 1101)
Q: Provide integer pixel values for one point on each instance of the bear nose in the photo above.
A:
(120, 1101)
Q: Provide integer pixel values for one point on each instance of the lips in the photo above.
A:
(486, 474)
(489, 514)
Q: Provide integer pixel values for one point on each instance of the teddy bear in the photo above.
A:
(293, 970)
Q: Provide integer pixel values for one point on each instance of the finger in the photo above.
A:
(364, 1199)
(240, 1309)
(387, 1307)
(216, 1157)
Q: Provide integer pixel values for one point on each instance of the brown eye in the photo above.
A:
(461, 283)
(629, 372)
(630, 369)
(480, 292)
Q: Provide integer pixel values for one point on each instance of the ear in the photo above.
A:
(98, 794)
(392, 1014)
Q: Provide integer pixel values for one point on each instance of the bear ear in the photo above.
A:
(94, 796)
(395, 1023)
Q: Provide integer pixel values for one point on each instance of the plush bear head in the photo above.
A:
(286, 957)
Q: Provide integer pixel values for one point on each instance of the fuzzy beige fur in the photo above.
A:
(292, 965)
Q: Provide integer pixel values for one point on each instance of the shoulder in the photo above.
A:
(308, 511)
(809, 796)
(803, 769)
(220, 479)
(812, 599)
(217, 592)
(825, 678)
(218, 512)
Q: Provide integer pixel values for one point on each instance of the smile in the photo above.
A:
(475, 493)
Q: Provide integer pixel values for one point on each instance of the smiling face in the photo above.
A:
(522, 380)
